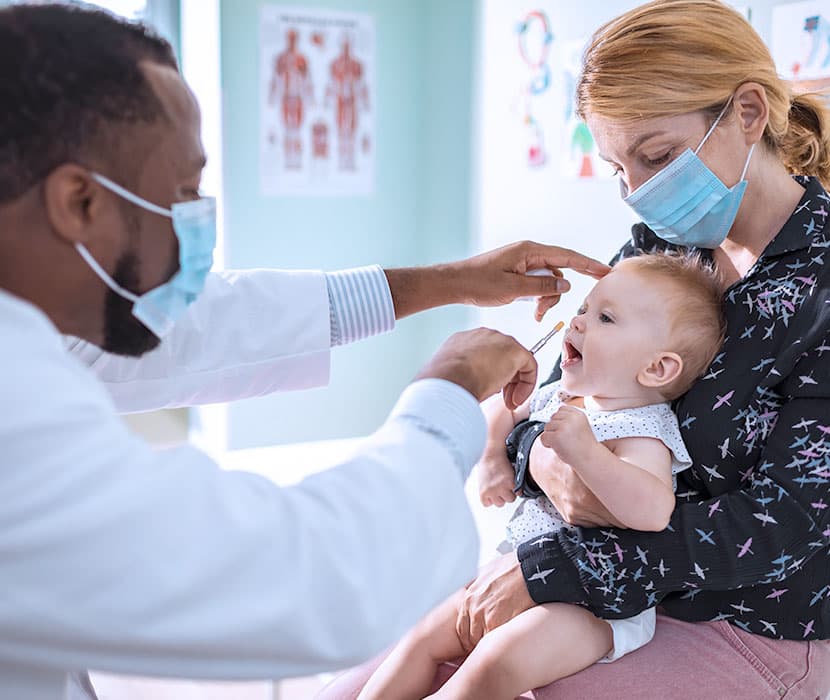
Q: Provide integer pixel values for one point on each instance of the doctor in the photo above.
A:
(118, 557)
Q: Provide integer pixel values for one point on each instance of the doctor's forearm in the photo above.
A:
(417, 289)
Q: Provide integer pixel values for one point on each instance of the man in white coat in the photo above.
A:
(118, 557)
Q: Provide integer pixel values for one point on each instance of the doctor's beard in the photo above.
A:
(124, 334)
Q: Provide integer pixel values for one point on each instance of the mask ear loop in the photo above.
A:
(102, 273)
(130, 197)
(714, 124)
(748, 158)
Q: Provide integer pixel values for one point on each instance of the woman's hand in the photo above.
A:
(565, 489)
(497, 595)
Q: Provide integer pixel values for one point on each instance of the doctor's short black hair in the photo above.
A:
(69, 77)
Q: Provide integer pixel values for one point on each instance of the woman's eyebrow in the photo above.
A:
(640, 140)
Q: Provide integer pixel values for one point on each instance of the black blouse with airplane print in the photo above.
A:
(749, 540)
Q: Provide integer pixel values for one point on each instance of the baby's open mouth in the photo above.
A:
(570, 355)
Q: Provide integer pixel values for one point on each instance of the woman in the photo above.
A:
(684, 101)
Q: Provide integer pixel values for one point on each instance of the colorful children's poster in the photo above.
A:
(579, 151)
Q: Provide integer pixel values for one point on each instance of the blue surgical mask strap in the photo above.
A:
(746, 165)
(714, 124)
(712, 128)
(130, 197)
(104, 275)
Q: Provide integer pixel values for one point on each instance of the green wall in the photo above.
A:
(419, 213)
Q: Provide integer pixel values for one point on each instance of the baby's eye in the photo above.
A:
(605, 318)
(580, 310)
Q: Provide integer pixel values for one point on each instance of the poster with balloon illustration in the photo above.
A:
(546, 69)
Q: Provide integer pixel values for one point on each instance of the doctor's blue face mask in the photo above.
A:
(194, 223)
(686, 203)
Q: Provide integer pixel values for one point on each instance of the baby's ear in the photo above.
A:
(663, 369)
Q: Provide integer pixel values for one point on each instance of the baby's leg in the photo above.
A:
(537, 647)
(407, 673)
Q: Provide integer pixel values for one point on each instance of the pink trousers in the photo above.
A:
(684, 661)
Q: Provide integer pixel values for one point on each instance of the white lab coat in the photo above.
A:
(118, 557)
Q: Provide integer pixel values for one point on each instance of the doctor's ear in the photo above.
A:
(663, 369)
(751, 109)
(72, 199)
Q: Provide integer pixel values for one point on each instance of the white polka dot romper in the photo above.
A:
(534, 517)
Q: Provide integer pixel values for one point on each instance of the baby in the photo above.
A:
(643, 335)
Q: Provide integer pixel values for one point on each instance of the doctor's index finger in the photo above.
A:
(558, 257)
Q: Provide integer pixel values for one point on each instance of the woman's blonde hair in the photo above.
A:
(672, 57)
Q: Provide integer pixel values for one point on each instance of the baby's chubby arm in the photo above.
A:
(495, 473)
(632, 479)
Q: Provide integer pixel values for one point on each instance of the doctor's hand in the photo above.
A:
(500, 276)
(483, 362)
(491, 279)
(562, 485)
(497, 595)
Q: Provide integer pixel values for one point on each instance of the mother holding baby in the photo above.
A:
(713, 152)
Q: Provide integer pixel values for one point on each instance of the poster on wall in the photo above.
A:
(317, 106)
(546, 70)
(579, 151)
(801, 43)
(534, 43)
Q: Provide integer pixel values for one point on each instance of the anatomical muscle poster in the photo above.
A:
(317, 106)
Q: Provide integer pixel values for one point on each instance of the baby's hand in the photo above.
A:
(495, 479)
(569, 434)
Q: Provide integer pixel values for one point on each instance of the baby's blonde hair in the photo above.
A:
(694, 301)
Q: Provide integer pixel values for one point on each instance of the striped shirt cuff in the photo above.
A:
(360, 304)
(449, 413)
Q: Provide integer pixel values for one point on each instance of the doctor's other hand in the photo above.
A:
(496, 595)
(483, 362)
(500, 276)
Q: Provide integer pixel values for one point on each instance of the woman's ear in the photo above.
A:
(751, 109)
(663, 369)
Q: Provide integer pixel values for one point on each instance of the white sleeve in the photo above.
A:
(250, 333)
(121, 558)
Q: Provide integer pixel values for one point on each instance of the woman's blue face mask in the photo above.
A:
(686, 203)
(195, 226)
